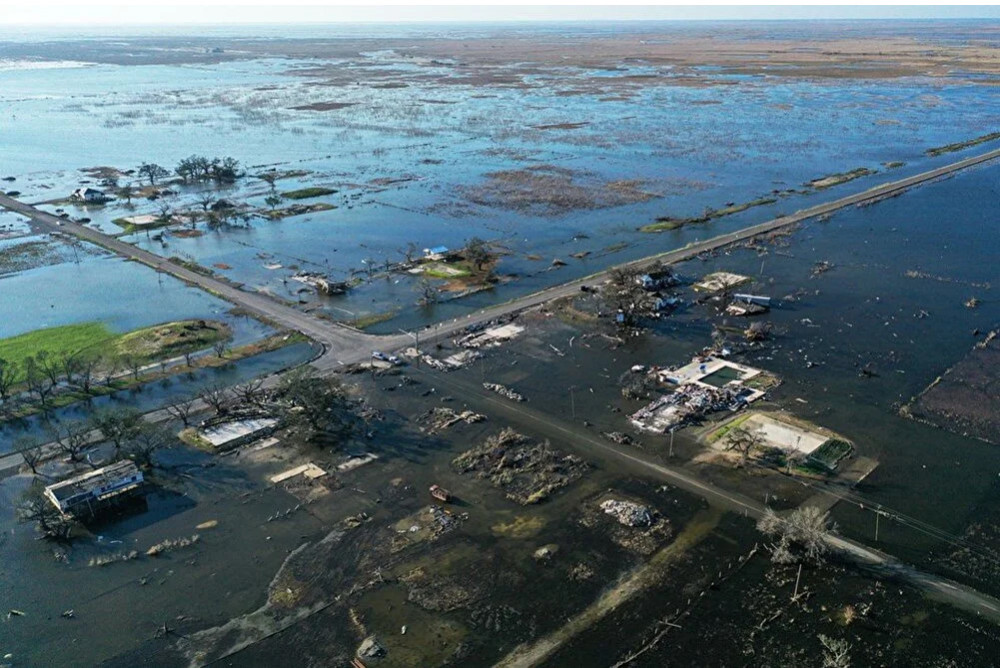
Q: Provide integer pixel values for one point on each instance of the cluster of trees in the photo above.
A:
(315, 409)
(624, 294)
(37, 378)
(194, 168)
(44, 372)
(200, 168)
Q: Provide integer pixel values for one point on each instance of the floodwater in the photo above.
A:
(416, 142)
(696, 146)
(865, 312)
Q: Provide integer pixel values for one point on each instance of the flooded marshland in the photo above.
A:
(569, 160)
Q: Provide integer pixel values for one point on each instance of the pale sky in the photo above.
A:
(191, 12)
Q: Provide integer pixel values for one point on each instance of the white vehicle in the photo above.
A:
(376, 355)
(394, 360)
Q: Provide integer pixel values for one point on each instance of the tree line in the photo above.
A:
(36, 379)
(193, 169)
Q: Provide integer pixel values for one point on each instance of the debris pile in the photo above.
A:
(528, 472)
(619, 437)
(504, 391)
(628, 513)
(689, 403)
(370, 648)
(168, 545)
(441, 418)
(490, 338)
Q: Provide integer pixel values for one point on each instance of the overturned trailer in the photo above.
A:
(88, 494)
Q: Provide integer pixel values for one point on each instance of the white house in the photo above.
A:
(90, 195)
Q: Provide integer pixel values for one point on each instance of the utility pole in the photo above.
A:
(572, 401)
(878, 512)
(672, 441)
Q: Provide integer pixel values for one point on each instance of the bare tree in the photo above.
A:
(181, 410)
(152, 171)
(70, 362)
(166, 212)
(251, 392)
(28, 448)
(87, 364)
(836, 652)
(118, 425)
(8, 374)
(206, 201)
(126, 192)
(410, 252)
(216, 398)
(428, 292)
(220, 347)
(110, 365)
(133, 363)
(50, 365)
(743, 441)
(806, 528)
(144, 442)
(73, 438)
(477, 251)
(36, 380)
(35, 508)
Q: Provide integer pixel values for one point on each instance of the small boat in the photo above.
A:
(440, 493)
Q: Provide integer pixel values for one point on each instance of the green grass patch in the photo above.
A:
(147, 344)
(55, 340)
(373, 319)
(721, 432)
(190, 436)
(446, 271)
(958, 146)
(828, 455)
(171, 339)
(306, 193)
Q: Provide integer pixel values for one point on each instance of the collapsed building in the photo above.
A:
(704, 386)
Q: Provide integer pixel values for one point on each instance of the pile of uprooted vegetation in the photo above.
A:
(552, 190)
(527, 471)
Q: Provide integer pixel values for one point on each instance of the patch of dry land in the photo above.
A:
(966, 398)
